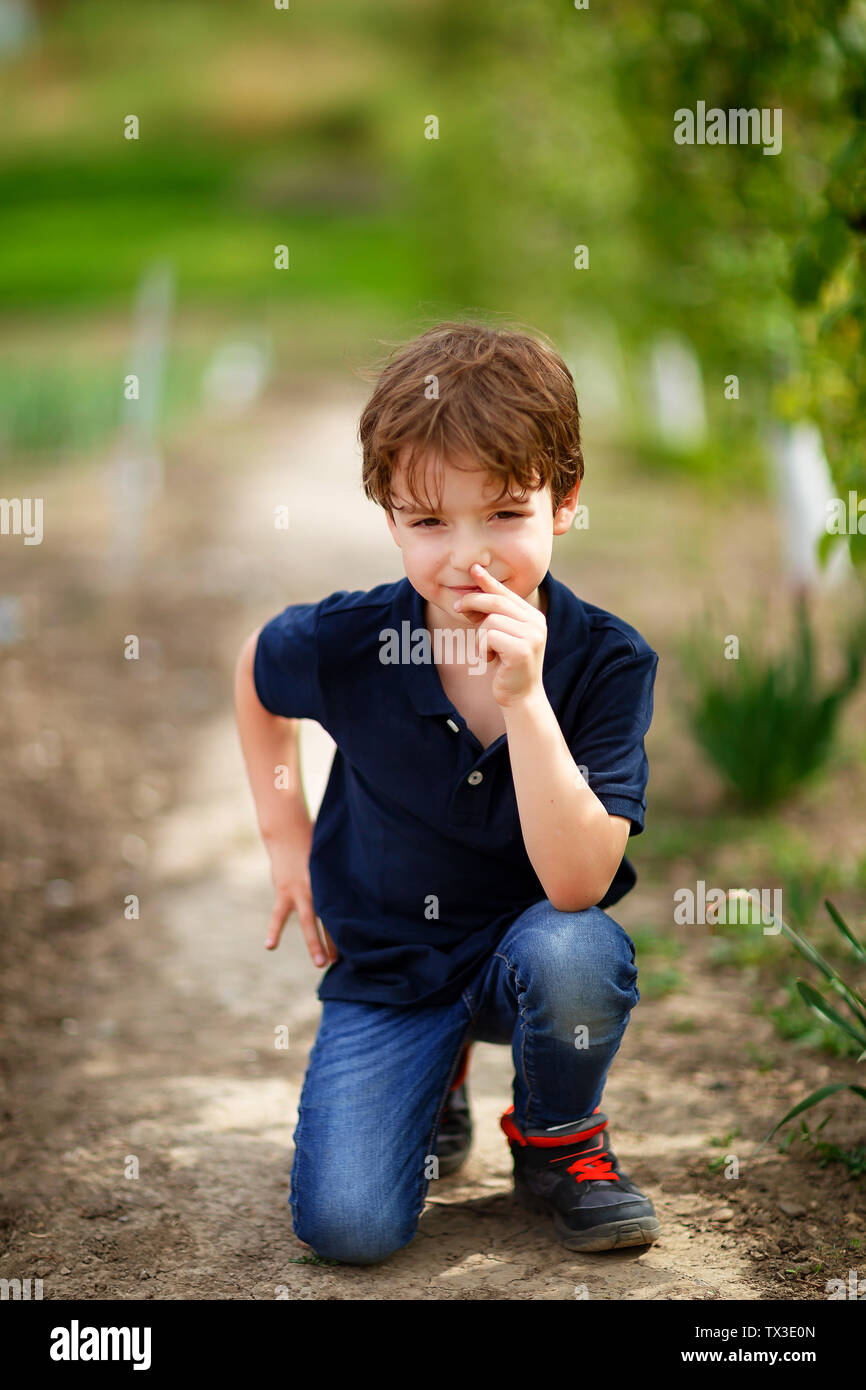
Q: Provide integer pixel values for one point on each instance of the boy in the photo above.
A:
(474, 825)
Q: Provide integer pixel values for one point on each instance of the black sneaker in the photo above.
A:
(455, 1130)
(574, 1175)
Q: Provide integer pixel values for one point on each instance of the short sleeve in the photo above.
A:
(286, 663)
(613, 720)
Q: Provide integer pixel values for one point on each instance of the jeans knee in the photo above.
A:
(581, 959)
(356, 1238)
(351, 1247)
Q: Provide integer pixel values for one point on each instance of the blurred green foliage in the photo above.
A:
(308, 127)
(68, 405)
(776, 244)
(767, 722)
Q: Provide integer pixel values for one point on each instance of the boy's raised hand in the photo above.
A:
(516, 636)
(290, 875)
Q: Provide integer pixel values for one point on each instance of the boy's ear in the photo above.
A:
(566, 510)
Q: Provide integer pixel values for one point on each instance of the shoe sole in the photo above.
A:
(613, 1235)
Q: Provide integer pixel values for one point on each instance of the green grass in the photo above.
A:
(63, 404)
(783, 850)
(313, 1260)
(764, 1059)
(715, 1165)
(654, 955)
(650, 944)
(656, 983)
(328, 165)
(55, 252)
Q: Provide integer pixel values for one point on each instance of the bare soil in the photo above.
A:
(147, 1114)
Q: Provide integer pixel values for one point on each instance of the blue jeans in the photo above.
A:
(559, 989)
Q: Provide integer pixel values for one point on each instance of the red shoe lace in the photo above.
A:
(590, 1164)
(593, 1165)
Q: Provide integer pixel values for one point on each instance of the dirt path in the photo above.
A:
(169, 1064)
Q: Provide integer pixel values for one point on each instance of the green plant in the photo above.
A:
(727, 1139)
(764, 721)
(850, 997)
(313, 1260)
(854, 1159)
(795, 1021)
(715, 1165)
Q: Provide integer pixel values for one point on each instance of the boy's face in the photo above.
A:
(475, 522)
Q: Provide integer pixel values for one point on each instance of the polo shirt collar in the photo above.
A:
(566, 638)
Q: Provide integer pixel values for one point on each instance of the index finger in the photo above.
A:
(481, 572)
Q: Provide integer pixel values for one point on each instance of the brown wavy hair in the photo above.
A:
(501, 395)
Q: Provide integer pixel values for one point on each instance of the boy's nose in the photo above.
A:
(462, 560)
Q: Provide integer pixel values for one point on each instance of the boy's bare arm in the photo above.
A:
(267, 741)
(270, 746)
(574, 844)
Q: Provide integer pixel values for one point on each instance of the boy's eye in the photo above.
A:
(433, 520)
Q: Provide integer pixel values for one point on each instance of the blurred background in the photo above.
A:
(216, 219)
(311, 128)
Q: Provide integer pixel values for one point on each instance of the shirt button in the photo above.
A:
(452, 725)
(474, 778)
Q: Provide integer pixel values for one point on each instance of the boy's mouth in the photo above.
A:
(465, 588)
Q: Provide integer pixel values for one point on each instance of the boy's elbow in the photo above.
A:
(579, 906)
(589, 889)
(571, 899)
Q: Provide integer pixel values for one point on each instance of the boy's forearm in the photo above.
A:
(270, 746)
(566, 829)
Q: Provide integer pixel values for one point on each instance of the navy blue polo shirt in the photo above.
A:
(418, 865)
